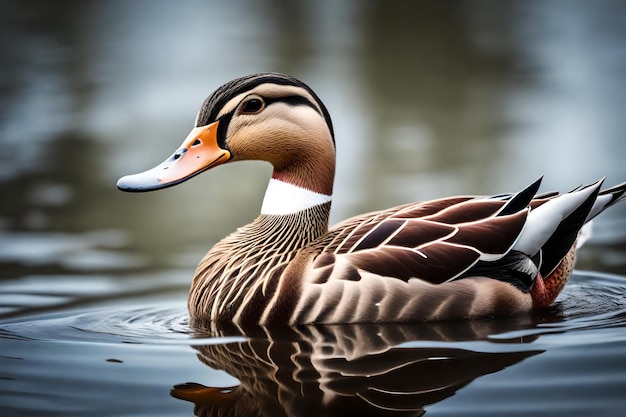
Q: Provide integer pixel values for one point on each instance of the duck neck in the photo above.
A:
(306, 167)
(301, 180)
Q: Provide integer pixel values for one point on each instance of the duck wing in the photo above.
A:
(435, 241)
(408, 263)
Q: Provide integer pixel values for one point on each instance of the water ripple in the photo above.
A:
(146, 325)
(589, 301)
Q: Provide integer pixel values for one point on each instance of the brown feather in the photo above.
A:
(435, 263)
(467, 211)
(494, 235)
(418, 232)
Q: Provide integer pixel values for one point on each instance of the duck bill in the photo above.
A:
(198, 153)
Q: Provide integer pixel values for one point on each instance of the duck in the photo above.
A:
(455, 258)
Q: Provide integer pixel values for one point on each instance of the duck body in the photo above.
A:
(453, 258)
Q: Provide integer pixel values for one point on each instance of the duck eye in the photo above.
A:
(253, 105)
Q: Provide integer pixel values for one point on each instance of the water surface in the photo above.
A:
(146, 360)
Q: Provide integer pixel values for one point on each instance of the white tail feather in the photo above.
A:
(600, 204)
(543, 221)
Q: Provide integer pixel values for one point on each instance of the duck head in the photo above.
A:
(268, 116)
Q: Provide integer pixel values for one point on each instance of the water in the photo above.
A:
(129, 360)
(428, 100)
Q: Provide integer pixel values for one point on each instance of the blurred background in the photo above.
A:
(428, 98)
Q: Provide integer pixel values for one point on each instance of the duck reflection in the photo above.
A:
(381, 370)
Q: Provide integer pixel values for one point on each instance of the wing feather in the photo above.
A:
(420, 232)
(493, 236)
(377, 235)
(434, 241)
(435, 263)
(427, 208)
(468, 211)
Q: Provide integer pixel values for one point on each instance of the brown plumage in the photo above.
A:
(457, 257)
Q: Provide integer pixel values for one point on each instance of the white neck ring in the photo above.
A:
(283, 198)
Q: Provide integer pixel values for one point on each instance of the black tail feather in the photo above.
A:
(561, 241)
(521, 200)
